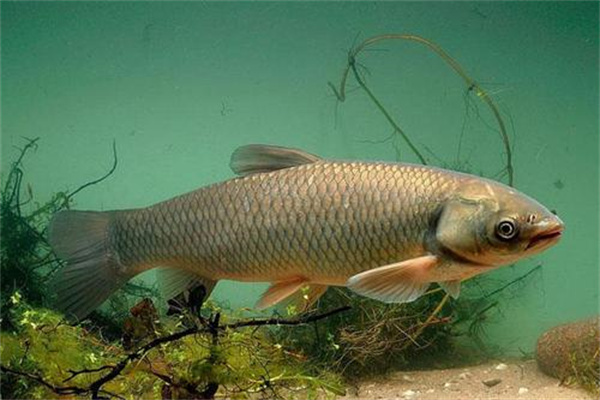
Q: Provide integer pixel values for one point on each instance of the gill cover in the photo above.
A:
(461, 227)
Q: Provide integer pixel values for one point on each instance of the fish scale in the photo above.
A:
(333, 217)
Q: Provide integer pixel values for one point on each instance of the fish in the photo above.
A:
(385, 230)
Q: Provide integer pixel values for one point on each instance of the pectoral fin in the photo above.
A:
(402, 282)
(280, 291)
(451, 287)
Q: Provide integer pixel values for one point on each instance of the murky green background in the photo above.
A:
(180, 85)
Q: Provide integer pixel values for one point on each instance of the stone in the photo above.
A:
(560, 349)
(491, 382)
(465, 375)
(523, 390)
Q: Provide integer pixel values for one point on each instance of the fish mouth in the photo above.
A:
(546, 238)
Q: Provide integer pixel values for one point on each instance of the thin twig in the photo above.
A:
(427, 322)
(86, 371)
(519, 279)
(61, 390)
(17, 173)
(109, 173)
(282, 321)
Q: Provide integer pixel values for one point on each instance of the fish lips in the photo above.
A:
(546, 238)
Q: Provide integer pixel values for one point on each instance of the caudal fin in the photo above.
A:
(92, 272)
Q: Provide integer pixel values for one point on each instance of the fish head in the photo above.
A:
(491, 224)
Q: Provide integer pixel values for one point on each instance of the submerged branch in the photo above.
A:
(86, 371)
(304, 319)
(471, 84)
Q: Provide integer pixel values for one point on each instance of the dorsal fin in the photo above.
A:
(256, 158)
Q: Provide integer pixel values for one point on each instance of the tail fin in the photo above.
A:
(93, 271)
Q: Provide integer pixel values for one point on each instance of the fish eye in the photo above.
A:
(506, 229)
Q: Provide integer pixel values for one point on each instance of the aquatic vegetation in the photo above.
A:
(471, 84)
(186, 356)
(26, 258)
(372, 337)
(585, 372)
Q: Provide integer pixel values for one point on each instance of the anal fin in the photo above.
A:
(303, 299)
(173, 282)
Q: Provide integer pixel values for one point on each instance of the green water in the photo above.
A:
(180, 85)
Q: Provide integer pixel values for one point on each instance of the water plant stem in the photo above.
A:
(427, 322)
(470, 83)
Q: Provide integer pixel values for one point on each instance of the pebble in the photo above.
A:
(409, 394)
(491, 382)
(430, 391)
(523, 390)
(465, 375)
(447, 384)
(501, 367)
(407, 378)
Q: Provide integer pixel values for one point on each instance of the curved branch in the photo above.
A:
(109, 173)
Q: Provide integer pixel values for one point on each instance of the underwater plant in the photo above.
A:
(472, 86)
(373, 338)
(186, 356)
(26, 258)
(585, 372)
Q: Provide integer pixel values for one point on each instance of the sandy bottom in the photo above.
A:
(518, 380)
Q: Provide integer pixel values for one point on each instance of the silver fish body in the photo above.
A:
(386, 230)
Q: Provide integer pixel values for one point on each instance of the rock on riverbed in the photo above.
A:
(569, 347)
